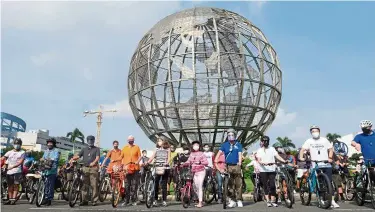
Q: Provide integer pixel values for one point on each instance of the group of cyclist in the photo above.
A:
(316, 151)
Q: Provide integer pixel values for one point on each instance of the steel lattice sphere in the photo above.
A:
(200, 71)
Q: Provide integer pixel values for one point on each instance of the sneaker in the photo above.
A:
(164, 204)
(219, 201)
(269, 204)
(239, 204)
(134, 204)
(274, 204)
(334, 204)
(231, 204)
(155, 203)
(294, 191)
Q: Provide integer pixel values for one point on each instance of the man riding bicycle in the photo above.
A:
(365, 142)
(320, 150)
(232, 149)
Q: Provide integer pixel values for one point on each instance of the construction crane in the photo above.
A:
(98, 121)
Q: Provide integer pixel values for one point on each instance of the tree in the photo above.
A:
(285, 143)
(74, 136)
(333, 137)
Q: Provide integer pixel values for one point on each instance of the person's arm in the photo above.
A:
(330, 152)
(95, 162)
(139, 156)
(357, 143)
(78, 156)
(152, 157)
(278, 157)
(106, 158)
(204, 160)
(20, 162)
(240, 155)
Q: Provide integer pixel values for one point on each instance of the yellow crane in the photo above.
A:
(98, 121)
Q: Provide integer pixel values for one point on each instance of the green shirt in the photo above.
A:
(173, 155)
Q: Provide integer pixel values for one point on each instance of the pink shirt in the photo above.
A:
(221, 161)
(198, 161)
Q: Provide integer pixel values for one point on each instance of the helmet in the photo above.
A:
(314, 127)
(52, 140)
(366, 123)
(231, 130)
(17, 141)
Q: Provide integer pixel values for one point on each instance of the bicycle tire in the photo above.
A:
(335, 191)
(150, 193)
(74, 192)
(177, 192)
(40, 193)
(104, 184)
(289, 193)
(116, 192)
(225, 192)
(210, 189)
(65, 189)
(186, 196)
(349, 189)
(360, 192)
(323, 178)
(304, 188)
(372, 191)
(29, 189)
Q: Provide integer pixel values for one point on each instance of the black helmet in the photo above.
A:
(17, 141)
(51, 140)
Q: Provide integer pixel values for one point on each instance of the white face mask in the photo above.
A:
(315, 134)
(206, 149)
(186, 152)
(160, 143)
(196, 147)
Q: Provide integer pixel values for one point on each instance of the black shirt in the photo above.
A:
(89, 154)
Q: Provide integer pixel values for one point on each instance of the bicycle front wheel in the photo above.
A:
(372, 191)
(324, 191)
(104, 189)
(225, 192)
(40, 192)
(116, 192)
(360, 189)
(349, 189)
(287, 193)
(209, 192)
(74, 192)
(150, 193)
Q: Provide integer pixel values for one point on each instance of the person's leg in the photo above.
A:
(253, 175)
(272, 185)
(198, 181)
(219, 180)
(238, 184)
(10, 183)
(156, 186)
(86, 184)
(164, 181)
(135, 186)
(94, 181)
(264, 180)
(50, 187)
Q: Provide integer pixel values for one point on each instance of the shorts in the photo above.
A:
(14, 179)
(300, 172)
(337, 180)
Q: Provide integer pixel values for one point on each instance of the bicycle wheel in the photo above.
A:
(104, 189)
(30, 191)
(74, 192)
(150, 193)
(372, 191)
(177, 192)
(360, 189)
(40, 192)
(305, 191)
(349, 190)
(4, 189)
(186, 196)
(209, 192)
(225, 192)
(116, 192)
(324, 191)
(335, 191)
(65, 189)
(287, 196)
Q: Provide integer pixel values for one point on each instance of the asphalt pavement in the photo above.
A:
(62, 206)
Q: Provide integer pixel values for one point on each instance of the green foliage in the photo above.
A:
(247, 172)
(61, 162)
(37, 155)
(285, 142)
(354, 158)
(333, 137)
(75, 135)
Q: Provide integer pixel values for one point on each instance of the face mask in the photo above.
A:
(17, 147)
(231, 137)
(315, 135)
(206, 149)
(186, 152)
(144, 155)
(115, 147)
(131, 142)
(366, 131)
(196, 147)
(160, 143)
(50, 146)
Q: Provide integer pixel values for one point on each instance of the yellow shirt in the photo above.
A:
(131, 154)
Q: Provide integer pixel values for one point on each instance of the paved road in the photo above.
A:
(62, 206)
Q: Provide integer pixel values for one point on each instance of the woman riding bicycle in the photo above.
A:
(198, 161)
(266, 158)
(162, 157)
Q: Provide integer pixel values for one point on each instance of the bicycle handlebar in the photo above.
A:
(320, 161)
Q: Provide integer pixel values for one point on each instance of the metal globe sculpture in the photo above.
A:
(200, 71)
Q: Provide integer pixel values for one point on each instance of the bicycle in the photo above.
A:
(364, 184)
(77, 184)
(4, 185)
(348, 182)
(118, 184)
(210, 187)
(67, 182)
(104, 184)
(258, 189)
(42, 183)
(283, 185)
(317, 182)
(187, 186)
(32, 178)
(141, 192)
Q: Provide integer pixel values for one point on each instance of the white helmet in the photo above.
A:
(365, 123)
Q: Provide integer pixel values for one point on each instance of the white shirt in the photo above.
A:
(318, 149)
(209, 158)
(267, 156)
(255, 164)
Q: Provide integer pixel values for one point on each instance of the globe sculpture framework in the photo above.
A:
(200, 71)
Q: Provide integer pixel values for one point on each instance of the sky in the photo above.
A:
(62, 58)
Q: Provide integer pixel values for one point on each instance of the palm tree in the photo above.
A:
(285, 143)
(74, 136)
(333, 137)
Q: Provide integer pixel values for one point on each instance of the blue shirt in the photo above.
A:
(231, 152)
(54, 155)
(28, 161)
(367, 143)
(101, 159)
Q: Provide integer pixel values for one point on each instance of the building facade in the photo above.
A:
(10, 125)
(36, 140)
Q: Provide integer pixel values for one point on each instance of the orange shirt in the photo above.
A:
(115, 155)
(131, 154)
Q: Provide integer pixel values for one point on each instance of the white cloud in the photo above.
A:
(283, 118)
(299, 133)
(256, 7)
(42, 59)
(122, 107)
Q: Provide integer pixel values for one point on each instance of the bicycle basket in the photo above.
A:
(186, 174)
(116, 169)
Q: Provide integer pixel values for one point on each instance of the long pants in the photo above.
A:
(268, 182)
(219, 180)
(328, 172)
(132, 186)
(91, 179)
(164, 180)
(198, 183)
(235, 182)
(50, 186)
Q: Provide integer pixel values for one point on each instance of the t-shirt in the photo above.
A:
(28, 162)
(14, 157)
(231, 152)
(318, 149)
(101, 159)
(52, 154)
(89, 154)
(267, 156)
(367, 143)
(209, 156)
(221, 162)
(131, 154)
(173, 154)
